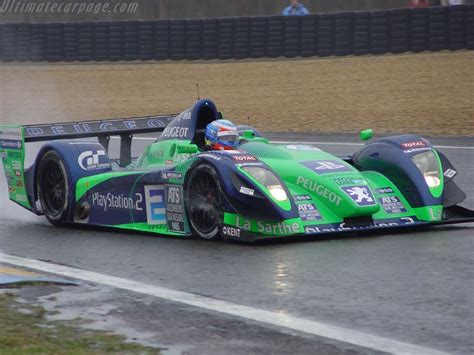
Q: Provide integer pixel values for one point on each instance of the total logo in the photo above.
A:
(89, 160)
(244, 158)
(411, 145)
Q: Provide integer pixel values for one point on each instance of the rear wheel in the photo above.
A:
(53, 187)
(203, 202)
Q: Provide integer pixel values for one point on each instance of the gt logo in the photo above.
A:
(89, 160)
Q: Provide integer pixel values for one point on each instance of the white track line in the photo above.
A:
(320, 143)
(276, 319)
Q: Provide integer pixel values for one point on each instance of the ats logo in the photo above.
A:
(155, 204)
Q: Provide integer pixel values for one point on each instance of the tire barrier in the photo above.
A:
(340, 34)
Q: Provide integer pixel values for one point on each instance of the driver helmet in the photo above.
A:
(221, 135)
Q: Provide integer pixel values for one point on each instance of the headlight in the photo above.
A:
(278, 193)
(427, 164)
(267, 179)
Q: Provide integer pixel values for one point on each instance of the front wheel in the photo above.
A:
(53, 187)
(203, 201)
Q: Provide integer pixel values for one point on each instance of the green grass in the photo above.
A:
(24, 329)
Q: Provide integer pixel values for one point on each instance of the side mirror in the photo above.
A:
(188, 148)
(366, 134)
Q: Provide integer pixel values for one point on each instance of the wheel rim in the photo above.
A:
(204, 203)
(54, 187)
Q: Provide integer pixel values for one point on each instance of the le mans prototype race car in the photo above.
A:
(255, 192)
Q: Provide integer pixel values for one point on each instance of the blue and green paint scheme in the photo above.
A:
(386, 184)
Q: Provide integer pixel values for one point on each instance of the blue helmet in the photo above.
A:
(221, 135)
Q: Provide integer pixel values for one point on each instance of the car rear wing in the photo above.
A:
(14, 137)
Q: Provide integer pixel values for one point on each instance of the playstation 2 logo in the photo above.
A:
(155, 204)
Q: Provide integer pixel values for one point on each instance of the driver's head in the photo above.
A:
(221, 135)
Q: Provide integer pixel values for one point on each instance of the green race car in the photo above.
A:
(256, 191)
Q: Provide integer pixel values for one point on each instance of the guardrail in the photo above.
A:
(340, 34)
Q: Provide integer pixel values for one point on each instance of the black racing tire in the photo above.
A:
(203, 200)
(53, 187)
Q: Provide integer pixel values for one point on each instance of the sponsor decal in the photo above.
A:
(384, 191)
(436, 215)
(10, 138)
(416, 150)
(171, 175)
(298, 198)
(181, 157)
(14, 154)
(175, 132)
(319, 189)
(11, 189)
(231, 231)
(184, 116)
(19, 183)
(89, 160)
(348, 180)
(361, 195)
(16, 165)
(175, 208)
(308, 212)
(416, 144)
(155, 204)
(449, 173)
(157, 154)
(111, 201)
(10, 133)
(342, 227)
(244, 158)
(250, 164)
(303, 147)
(169, 162)
(273, 228)
(326, 166)
(392, 204)
(155, 123)
(10, 144)
(21, 198)
(17, 173)
(246, 191)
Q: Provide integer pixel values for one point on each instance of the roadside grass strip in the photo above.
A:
(25, 329)
(263, 316)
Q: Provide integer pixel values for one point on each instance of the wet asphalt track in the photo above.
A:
(413, 287)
